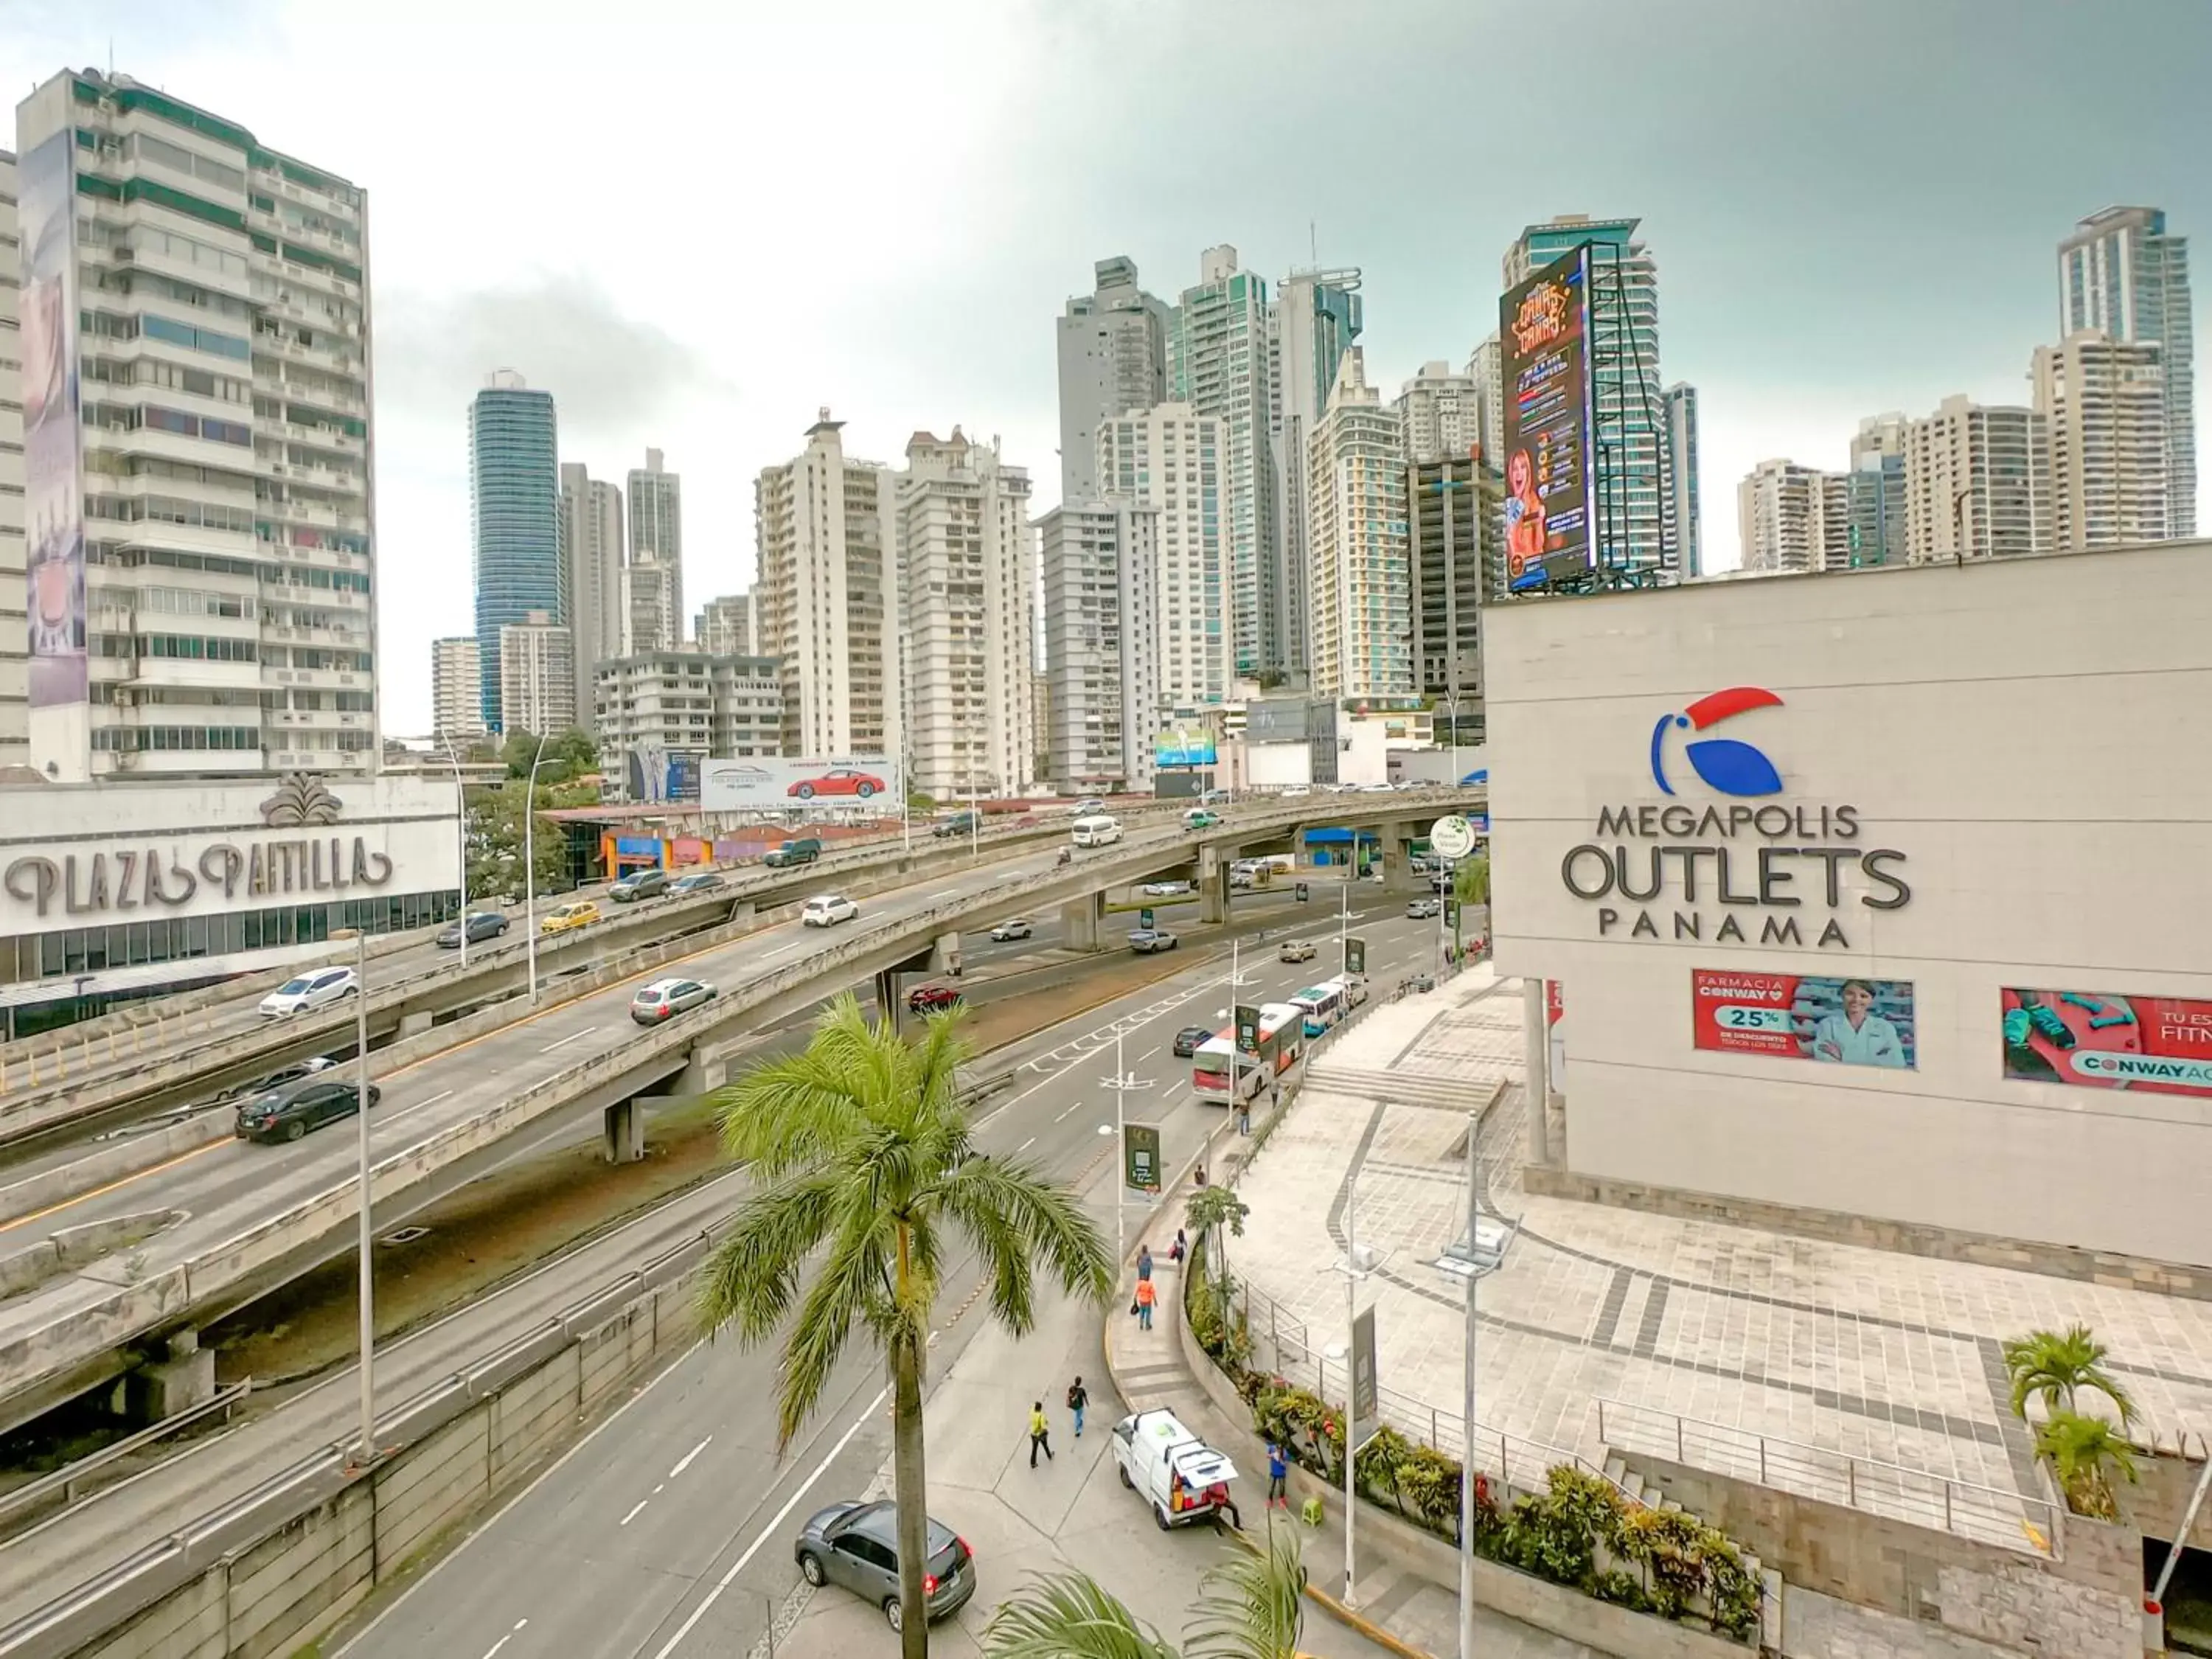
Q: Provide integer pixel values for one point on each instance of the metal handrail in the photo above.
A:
(1966, 1508)
(65, 1480)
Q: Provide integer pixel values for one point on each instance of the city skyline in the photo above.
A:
(1782, 363)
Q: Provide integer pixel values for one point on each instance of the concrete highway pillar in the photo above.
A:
(623, 1132)
(1536, 1044)
(888, 1007)
(1080, 918)
(1213, 895)
(743, 910)
(414, 1024)
(944, 955)
(1398, 860)
(177, 1382)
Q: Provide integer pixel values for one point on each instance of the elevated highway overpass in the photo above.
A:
(235, 1220)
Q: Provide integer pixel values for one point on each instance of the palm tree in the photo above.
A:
(2083, 1451)
(861, 1148)
(2054, 1366)
(1250, 1606)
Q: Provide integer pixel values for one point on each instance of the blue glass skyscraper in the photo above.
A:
(514, 518)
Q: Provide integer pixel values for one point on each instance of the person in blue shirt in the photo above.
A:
(1858, 1035)
(1278, 1470)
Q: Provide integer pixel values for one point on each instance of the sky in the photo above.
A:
(697, 225)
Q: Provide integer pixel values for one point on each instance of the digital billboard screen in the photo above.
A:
(1185, 745)
(2102, 1040)
(53, 493)
(860, 783)
(1838, 1022)
(1551, 481)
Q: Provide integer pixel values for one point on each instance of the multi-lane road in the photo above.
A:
(668, 1532)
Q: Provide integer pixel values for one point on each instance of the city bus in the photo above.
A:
(1282, 1039)
(1322, 1004)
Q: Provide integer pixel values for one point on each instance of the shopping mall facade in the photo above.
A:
(1883, 897)
(112, 891)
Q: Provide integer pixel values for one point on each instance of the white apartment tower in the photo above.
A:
(968, 575)
(1442, 412)
(1485, 367)
(1780, 512)
(591, 552)
(1314, 319)
(2105, 403)
(14, 713)
(1102, 631)
(827, 600)
(537, 676)
(724, 628)
(1218, 364)
(2123, 272)
(456, 690)
(1977, 483)
(200, 514)
(1362, 583)
(1112, 346)
(652, 590)
(1173, 459)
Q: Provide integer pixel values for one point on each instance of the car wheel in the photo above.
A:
(1124, 1473)
(295, 1130)
(895, 1615)
(809, 1569)
(1160, 1515)
(806, 792)
(866, 790)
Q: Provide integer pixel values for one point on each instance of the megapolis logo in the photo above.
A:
(1728, 765)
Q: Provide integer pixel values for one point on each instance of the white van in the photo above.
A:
(1182, 1478)
(1100, 831)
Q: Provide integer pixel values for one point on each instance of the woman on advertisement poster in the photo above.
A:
(1857, 1036)
(1524, 516)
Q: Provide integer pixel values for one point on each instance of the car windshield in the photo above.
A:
(292, 987)
(266, 1101)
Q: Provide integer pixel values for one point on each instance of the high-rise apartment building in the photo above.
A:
(537, 676)
(1874, 513)
(194, 333)
(1485, 367)
(2105, 403)
(724, 628)
(1362, 582)
(456, 690)
(1316, 318)
(514, 518)
(1218, 364)
(2123, 272)
(1174, 459)
(592, 555)
(1442, 412)
(1977, 483)
(1113, 345)
(653, 579)
(14, 711)
(659, 711)
(1448, 502)
(968, 575)
(826, 603)
(1102, 631)
(1628, 416)
(1683, 528)
(1780, 515)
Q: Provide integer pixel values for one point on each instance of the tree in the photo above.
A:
(495, 845)
(1213, 1209)
(1250, 1606)
(2084, 1453)
(570, 754)
(1471, 879)
(2055, 1366)
(862, 1151)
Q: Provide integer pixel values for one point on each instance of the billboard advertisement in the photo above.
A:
(655, 775)
(54, 496)
(1838, 1022)
(1184, 745)
(2102, 1040)
(848, 783)
(1551, 481)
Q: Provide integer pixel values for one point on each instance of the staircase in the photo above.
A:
(1446, 1093)
(1640, 1491)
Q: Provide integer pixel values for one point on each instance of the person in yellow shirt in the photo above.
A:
(1040, 1434)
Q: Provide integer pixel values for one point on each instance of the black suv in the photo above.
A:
(639, 885)
(287, 1113)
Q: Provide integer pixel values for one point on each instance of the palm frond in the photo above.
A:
(1252, 1607)
(1043, 1215)
(849, 1290)
(752, 1275)
(1068, 1616)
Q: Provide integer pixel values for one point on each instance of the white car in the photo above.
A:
(1012, 927)
(1164, 889)
(314, 990)
(1296, 791)
(828, 909)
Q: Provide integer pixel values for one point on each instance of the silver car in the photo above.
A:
(665, 999)
(856, 1545)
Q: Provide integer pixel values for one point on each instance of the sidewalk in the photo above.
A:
(1411, 1615)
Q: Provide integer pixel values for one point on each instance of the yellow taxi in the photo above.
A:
(569, 917)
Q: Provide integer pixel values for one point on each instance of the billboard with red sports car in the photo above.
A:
(864, 784)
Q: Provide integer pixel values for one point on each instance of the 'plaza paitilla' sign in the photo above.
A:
(1735, 873)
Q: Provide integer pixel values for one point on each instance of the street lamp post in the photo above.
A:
(529, 868)
(1467, 1408)
(1122, 1083)
(367, 1230)
(461, 828)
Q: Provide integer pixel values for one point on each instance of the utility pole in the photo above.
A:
(1467, 1408)
(367, 1228)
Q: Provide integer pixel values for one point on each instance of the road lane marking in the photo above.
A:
(634, 1508)
(387, 1117)
(776, 1525)
(684, 1462)
(504, 1639)
(1025, 1145)
(571, 1037)
(1076, 1107)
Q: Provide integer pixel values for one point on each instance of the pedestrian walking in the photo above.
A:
(1198, 1180)
(1079, 1401)
(1144, 1262)
(1278, 1470)
(1040, 1434)
(1244, 1116)
(1146, 1297)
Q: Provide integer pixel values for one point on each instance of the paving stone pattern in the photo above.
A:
(1870, 1353)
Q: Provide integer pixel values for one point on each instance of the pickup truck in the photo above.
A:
(1182, 1478)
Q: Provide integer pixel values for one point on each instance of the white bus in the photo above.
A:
(1322, 1004)
(1282, 1040)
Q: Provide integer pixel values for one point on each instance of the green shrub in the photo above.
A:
(1623, 1590)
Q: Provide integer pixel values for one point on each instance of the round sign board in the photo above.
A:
(1452, 837)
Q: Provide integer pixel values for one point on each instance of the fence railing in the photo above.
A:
(1987, 1514)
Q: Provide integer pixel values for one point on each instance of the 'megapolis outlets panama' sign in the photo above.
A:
(1738, 872)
